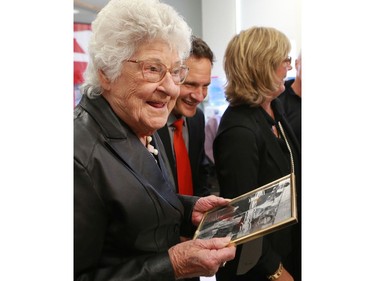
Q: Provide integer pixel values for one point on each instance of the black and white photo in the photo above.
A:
(253, 214)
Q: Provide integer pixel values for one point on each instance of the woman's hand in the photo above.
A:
(200, 257)
(205, 204)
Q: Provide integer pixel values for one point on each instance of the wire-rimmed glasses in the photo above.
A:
(155, 71)
(288, 60)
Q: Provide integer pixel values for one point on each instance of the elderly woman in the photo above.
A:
(128, 219)
(256, 63)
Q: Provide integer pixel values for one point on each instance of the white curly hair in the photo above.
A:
(121, 27)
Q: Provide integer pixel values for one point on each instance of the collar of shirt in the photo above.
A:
(185, 132)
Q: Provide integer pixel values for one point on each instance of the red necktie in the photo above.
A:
(185, 185)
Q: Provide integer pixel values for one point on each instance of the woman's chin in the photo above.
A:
(157, 123)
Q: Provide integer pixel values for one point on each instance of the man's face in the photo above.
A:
(194, 90)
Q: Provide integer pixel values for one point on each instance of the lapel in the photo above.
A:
(287, 128)
(144, 167)
(273, 147)
(128, 149)
(164, 162)
(166, 139)
(192, 138)
(194, 126)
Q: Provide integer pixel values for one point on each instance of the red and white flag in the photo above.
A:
(82, 33)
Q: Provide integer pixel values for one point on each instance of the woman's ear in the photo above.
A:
(104, 81)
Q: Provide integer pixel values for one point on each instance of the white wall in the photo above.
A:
(221, 19)
(284, 15)
(191, 11)
(218, 27)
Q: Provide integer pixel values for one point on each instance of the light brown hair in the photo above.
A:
(250, 63)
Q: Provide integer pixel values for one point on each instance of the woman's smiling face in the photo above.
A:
(143, 105)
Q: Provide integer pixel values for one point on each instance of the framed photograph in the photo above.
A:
(253, 214)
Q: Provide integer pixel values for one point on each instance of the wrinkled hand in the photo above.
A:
(200, 257)
(204, 204)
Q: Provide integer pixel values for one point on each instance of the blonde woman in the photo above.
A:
(251, 151)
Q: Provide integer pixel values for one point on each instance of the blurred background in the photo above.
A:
(215, 21)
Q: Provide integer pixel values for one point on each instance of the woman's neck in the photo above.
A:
(267, 108)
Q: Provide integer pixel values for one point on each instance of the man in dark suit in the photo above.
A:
(193, 92)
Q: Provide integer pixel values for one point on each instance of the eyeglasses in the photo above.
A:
(288, 60)
(155, 71)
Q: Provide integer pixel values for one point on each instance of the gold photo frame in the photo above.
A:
(253, 214)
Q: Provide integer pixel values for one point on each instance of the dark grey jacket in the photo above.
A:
(126, 214)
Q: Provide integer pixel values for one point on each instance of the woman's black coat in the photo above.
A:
(126, 214)
(247, 156)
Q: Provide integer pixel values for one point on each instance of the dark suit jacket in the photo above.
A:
(126, 214)
(292, 107)
(247, 156)
(198, 161)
